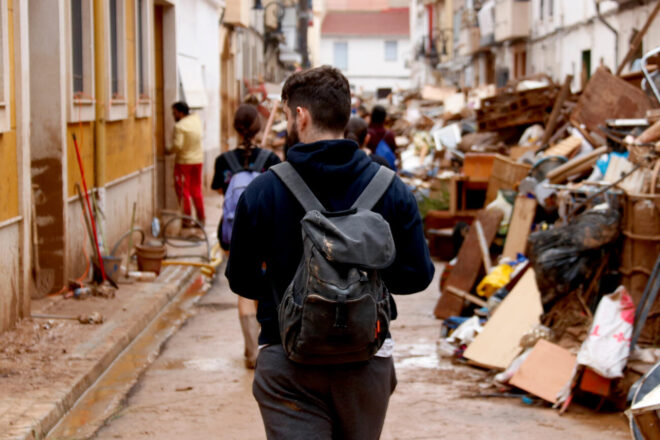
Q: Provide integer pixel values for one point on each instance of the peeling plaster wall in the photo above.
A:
(9, 273)
(119, 196)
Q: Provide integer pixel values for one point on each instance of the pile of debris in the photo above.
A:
(564, 189)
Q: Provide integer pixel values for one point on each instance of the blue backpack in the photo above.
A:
(241, 178)
(383, 150)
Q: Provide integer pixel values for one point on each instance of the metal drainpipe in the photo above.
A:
(614, 31)
(100, 78)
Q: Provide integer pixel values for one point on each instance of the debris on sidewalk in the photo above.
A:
(562, 185)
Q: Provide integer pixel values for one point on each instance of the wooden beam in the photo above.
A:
(638, 39)
(485, 253)
(556, 110)
(468, 296)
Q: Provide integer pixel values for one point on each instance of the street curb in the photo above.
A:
(104, 346)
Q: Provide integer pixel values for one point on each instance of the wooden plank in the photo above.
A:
(651, 134)
(464, 274)
(547, 370)
(564, 148)
(569, 167)
(483, 246)
(556, 110)
(467, 296)
(608, 97)
(519, 228)
(634, 45)
(498, 343)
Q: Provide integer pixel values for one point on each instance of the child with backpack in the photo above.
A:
(234, 170)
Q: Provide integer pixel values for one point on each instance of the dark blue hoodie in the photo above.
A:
(267, 233)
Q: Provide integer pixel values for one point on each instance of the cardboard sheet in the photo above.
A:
(546, 371)
(498, 343)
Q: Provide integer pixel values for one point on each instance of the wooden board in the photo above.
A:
(608, 97)
(498, 343)
(521, 223)
(564, 148)
(547, 370)
(464, 274)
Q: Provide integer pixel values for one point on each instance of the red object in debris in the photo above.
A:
(593, 382)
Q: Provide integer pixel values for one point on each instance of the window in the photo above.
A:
(114, 53)
(143, 63)
(116, 61)
(77, 46)
(81, 61)
(5, 123)
(391, 50)
(139, 40)
(541, 6)
(341, 55)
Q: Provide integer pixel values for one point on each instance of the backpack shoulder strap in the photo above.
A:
(234, 165)
(297, 186)
(375, 189)
(260, 161)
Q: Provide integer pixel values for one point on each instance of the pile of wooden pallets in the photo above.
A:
(511, 109)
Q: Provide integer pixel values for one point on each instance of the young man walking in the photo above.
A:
(345, 401)
(187, 145)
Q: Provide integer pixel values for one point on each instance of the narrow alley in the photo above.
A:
(494, 164)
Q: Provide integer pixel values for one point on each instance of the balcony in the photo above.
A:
(511, 19)
(237, 12)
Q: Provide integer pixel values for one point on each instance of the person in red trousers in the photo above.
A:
(187, 146)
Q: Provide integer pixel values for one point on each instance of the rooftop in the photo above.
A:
(390, 22)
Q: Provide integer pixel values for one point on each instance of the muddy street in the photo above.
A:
(198, 388)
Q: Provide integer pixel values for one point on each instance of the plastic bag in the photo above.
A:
(607, 347)
(566, 257)
(498, 277)
(507, 209)
(466, 332)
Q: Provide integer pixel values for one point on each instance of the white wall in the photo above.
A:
(367, 68)
(197, 23)
(557, 50)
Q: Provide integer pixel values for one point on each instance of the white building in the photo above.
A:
(372, 48)
(567, 36)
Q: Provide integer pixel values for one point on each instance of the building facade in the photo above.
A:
(93, 79)
(371, 48)
(469, 43)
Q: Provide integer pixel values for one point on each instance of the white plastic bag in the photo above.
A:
(607, 347)
(466, 332)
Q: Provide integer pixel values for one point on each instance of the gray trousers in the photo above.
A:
(309, 402)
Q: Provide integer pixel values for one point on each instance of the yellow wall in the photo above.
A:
(128, 141)
(8, 156)
(128, 147)
(85, 135)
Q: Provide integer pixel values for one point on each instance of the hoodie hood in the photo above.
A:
(338, 158)
(330, 167)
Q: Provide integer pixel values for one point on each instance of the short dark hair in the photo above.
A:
(356, 130)
(182, 107)
(325, 92)
(378, 115)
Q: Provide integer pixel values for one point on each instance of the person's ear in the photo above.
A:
(303, 119)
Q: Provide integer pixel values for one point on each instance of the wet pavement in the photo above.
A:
(198, 388)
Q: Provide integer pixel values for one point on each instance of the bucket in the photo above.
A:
(111, 265)
(149, 258)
